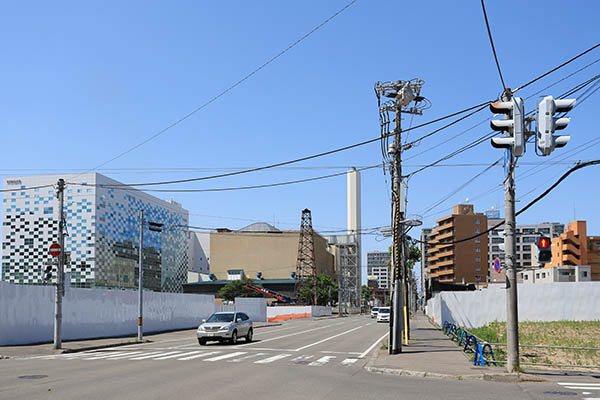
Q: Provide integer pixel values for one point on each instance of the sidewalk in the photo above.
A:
(430, 353)
(72, 346)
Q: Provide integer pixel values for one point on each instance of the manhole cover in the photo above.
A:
(562, 393)
(33, 376)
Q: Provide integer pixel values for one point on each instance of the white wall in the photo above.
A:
(571, 301)
(27, 312)
(314, 311)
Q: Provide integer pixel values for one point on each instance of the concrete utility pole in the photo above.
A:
(512, 313)
(60, 268)
(396, 320)
(401, 93)
(141, 275)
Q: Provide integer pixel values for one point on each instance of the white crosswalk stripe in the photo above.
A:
(189, 353)
(262, 357)
(301, 359)
(225, 356)
(271, 359)
(349, 361)
(152, 355)
(249, 356)
(321, 361)
(109, 355)
(198, 356)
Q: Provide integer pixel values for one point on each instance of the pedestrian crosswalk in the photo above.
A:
(589, 391)
(208, 356)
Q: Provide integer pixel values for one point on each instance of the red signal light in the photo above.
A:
(543, 243)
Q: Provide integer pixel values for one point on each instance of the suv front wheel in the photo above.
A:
(234, 337)
(249, 336)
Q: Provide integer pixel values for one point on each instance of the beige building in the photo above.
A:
(262, 248)
(464, 262)
(574, 247)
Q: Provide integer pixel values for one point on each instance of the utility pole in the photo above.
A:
(59, 292)
(141, 274)
(401, 93)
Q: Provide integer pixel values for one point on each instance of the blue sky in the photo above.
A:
(80, 82)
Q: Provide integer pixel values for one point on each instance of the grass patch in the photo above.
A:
(556, 333)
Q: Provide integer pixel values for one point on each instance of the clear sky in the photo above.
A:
(81, 82)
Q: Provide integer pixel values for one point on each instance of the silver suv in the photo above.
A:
(224, 326)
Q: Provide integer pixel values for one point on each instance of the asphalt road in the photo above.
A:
(301, 359)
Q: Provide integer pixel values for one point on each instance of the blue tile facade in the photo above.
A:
(103, 233)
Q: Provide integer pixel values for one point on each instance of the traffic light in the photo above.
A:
(544, 253)
(514, 125)
(48, 273)
(547, 123)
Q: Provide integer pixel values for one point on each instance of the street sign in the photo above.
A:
(497, 264)
(55, 249)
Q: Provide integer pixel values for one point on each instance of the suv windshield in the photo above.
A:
(221, 318)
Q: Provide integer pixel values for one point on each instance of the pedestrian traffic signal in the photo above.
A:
(514, 125)
(48, 273)
(544, 252)
(547, 124)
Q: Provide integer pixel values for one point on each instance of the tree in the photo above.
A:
(366, 294)
(413, 256)
(327, 290)
(237, 289)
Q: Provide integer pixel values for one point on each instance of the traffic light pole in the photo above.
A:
(60, 269)
(141, 275)
(512, 317)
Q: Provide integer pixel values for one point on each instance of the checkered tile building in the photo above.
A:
(102, 226)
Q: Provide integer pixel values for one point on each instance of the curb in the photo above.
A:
(507, 378)
(267, 326)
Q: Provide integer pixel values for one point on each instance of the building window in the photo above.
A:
(478, 277)
(477, 250)
(477, 240)
(48, 210)
(584, 274)
(28, 242)
(477, 258)
(537, 275)
(477, 222)
(543, 274)
(525, 278)
(477, 230)
(477, 268)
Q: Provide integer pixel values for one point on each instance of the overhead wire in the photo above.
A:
(529, 205)
(487, 24)
(230, 88)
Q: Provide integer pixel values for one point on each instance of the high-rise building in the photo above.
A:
(526, 236)
(378, 266)
(102, 233)
(425, 245)
(574, 247)
(458, 262)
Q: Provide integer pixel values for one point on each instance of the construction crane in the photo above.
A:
(280, 297)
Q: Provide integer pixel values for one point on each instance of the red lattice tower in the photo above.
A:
(306, 268)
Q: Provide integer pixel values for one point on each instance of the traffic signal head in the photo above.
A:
(544, 253)
(548, 124)
(48, 273)
(514, 125)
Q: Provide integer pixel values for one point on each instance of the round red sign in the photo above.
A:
(55, 249)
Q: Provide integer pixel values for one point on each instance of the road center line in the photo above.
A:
(372, 346)
(326, 339)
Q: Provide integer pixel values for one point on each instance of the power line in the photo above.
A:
(280, 164)
(487, 24)
(529, 205)
(236, 84)
(25, 188)
(556, 68)
(226, 189)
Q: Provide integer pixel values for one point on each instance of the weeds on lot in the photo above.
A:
(557, 333)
